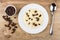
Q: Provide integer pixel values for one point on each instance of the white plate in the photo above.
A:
(37, 29)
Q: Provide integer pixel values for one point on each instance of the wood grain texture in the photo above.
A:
(20, 34)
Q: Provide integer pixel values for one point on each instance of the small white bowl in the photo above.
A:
(12, 6)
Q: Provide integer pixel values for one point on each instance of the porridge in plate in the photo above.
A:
(33, 18)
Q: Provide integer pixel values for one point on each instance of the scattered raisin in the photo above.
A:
(10, 21)
(13, 30)
(5, 18)
(9, 28)
(13, 24)
(7, 25)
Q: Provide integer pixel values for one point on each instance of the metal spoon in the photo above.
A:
(52, 9)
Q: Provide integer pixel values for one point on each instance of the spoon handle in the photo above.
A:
(51, 27)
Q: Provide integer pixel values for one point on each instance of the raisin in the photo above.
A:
(9, 28)
(37, 19)
(34, 14)
(38, 24)
(40, 15)
(13, 30)
(27, 14)
(13, 24)
(5, 18)
(10, 21)
(7, 25)
(26, 20)
(29, 18)
(34, 24)
(35, 11)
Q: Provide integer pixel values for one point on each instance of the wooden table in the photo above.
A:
(20, 34)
